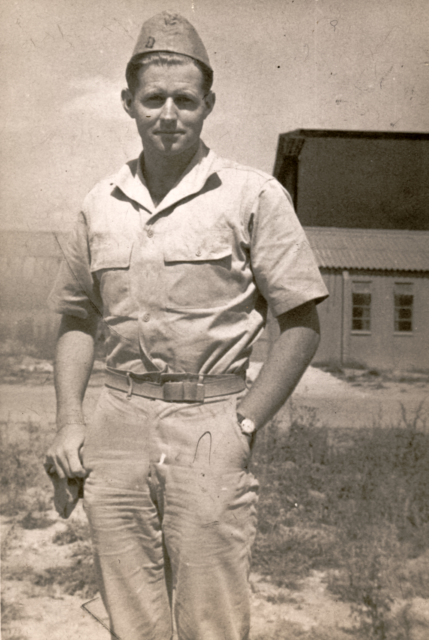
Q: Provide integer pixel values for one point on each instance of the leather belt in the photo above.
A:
(175, 387)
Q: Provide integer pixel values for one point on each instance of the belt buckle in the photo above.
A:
(183, 391)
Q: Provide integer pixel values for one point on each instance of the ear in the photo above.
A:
(209, 100)
(128, 102)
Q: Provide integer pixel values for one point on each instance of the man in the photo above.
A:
(180, 251)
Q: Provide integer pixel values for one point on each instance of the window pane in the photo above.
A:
(404, 325)
(362, 299)
(360, 324)
(404, 300)
(361, 307)
(405, 314)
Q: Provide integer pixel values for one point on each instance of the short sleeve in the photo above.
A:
(284, 267)
(75, 291)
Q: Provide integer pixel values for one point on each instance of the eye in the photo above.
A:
(184, 102)
(154, 101)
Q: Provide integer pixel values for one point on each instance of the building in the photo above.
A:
(363, 198)
(377, 314)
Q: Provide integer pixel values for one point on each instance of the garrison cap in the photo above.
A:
(171, 32)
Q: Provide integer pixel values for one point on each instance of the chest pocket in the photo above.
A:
(110, 265)
(198, 270)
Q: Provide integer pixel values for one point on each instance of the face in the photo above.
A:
(169, 108)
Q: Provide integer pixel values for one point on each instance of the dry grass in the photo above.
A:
(359, 511)
(24, 484)
(26, 496)
(10, 613)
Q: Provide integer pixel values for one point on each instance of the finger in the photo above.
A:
(48, 465)
(75, 466)
(80, 453)
(60, 468)
(53, 466)
(58, 463)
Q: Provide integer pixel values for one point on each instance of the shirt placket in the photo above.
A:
(146, 268)
(147, 263)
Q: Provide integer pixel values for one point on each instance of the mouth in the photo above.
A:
(169, 133)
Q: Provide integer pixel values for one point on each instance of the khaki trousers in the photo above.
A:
(172, 512)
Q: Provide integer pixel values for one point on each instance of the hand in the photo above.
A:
(64, 454)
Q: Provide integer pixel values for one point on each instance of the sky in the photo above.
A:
(279, 65)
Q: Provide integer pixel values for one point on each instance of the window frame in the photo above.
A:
(365, 287)
(410, 285)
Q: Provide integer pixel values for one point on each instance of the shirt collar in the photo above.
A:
(131, 182)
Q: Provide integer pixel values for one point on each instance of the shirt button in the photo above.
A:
(198, 253)
(150, 232)
(146, 317)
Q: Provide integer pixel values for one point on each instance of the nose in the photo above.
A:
(168, 113)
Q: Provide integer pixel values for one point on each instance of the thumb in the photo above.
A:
(75, 465)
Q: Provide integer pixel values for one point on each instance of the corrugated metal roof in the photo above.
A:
(387, 250)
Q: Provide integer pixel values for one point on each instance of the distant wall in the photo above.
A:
(381, 347)
(28, 266)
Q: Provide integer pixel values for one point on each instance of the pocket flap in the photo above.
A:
(110, 252)
(195, 249)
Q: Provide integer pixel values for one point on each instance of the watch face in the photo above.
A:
(247, 426)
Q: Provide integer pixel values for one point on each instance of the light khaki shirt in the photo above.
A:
(184, 286)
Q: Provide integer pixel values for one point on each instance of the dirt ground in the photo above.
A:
(349, 400)
(48, 613)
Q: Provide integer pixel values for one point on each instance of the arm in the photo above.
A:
(73, 365)
(288, 358)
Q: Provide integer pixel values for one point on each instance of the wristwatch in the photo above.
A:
(247, 426)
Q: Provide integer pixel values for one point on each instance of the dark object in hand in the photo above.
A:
(67, 492)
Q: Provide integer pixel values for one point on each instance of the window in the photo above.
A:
(361, 303)
(404, 299)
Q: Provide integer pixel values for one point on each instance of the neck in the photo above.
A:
(161, 174)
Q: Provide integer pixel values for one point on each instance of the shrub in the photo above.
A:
(24, 483)
(361, 508)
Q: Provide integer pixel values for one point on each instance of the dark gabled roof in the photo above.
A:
(291, 142)
(375, 249)
(350, 133)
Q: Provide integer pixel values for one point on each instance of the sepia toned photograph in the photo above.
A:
(214, 320)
